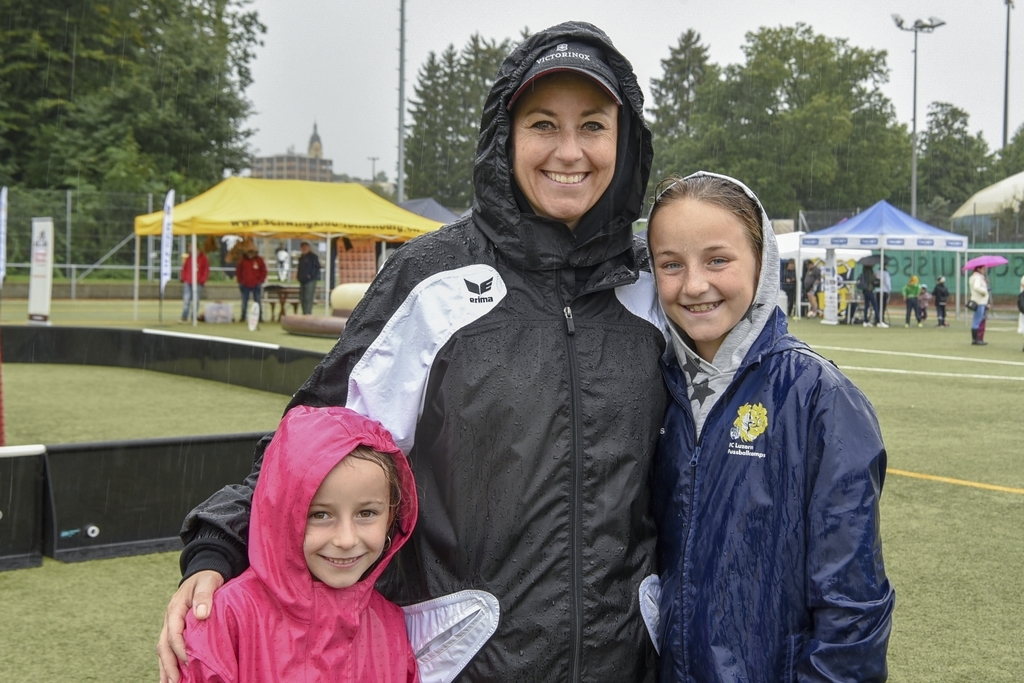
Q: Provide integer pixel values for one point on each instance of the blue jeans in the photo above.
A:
(871, 304)
(979, 315)
(912, 306)
(186, 300)
(246, 291)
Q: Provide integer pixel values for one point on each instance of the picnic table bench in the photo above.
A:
(286, 294)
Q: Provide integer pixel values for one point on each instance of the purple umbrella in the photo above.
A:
(988, 261)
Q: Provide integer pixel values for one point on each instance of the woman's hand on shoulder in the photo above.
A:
(195, 593)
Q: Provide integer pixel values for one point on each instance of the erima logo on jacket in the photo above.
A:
(480, 289)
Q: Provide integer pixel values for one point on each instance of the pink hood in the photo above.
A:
(276, 619)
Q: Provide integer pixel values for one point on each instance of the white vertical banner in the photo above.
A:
(828, 277)
(3, 236)
(166, 241)
(40, 284)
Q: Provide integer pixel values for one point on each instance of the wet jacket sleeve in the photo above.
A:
(848, 592)
(197, 672)
(216, 532)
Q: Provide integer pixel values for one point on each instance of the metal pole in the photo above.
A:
(135, 288)
(194, 256)
(401, 105)
(913, 143)
(149, 246)
(1006, 81)
(67, 236)
(916, 27)
(327, 280)
(373, 168)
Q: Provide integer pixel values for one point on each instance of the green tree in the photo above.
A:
(446, 109)
(802, 121)
(952, 163)
(110, 95)
(674, 97)
(1011, 157)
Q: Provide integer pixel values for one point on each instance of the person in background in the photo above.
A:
(866, 283)
(284, 263)
(190, 293)
(978, 286)
(923, 299)
(1020, 308)
(812, 278)
(988, 309)
(941, 296)
(515, 356)
(251, 273)
(788, 285)
(884, 290)
(309, 273)
(336, 503)
(910, 294)
(769, 469)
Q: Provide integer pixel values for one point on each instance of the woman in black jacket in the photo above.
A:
(514, 355)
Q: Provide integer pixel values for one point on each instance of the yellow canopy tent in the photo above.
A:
(295, 208)
(286, 208)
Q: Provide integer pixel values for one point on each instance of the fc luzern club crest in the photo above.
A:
(750, 423)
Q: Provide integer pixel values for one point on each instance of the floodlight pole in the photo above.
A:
(401, 105)
(373, 169)
(1006, 81)
(919, 26)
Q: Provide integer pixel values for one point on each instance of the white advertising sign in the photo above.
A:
(828, 274)
(166, 241)
(40, 285)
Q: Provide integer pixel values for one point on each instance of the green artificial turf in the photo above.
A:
(52, 404)
(90, 621)
(954, 552)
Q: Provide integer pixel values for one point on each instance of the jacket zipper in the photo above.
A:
(575, 557)
(694, 462)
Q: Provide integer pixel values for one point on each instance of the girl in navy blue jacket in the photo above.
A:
(769, 470)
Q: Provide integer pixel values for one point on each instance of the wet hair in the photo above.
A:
(386, 463)
(717, 192)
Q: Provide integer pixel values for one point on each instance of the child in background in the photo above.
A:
(923, 299)
(941, 295)
(910, 294)
(769, 467)
(334, 503)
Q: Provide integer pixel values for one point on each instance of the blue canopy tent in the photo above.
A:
(882, 227)
(428, 207)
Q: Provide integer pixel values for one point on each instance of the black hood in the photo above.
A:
(604, 232)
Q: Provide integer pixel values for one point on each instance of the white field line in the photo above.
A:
(967, 359)
(959, 375)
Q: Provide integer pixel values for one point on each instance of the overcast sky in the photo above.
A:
(336, 61)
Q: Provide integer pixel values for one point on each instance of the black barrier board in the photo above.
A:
(266, 367)
(130, 497)
(21, 511)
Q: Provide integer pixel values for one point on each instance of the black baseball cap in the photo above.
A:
(572, 56)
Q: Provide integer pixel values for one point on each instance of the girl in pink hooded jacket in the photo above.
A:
(326, 520)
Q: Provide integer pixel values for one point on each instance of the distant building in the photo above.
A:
(354, 259)
(293, 166)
